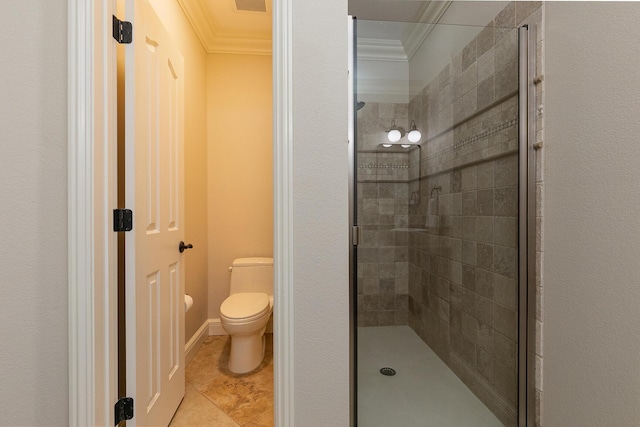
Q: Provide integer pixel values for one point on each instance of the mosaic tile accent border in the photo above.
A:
(383, 166)
(485, 134)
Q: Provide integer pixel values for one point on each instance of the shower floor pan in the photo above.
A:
(424, 392)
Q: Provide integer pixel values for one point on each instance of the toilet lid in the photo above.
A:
(245, 305)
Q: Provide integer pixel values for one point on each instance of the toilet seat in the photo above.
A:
(245, 307)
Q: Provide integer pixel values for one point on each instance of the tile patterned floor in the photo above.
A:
(215, 396)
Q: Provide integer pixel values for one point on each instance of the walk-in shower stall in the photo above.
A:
(443, 212)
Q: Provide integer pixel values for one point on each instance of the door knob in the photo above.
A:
(182, 247)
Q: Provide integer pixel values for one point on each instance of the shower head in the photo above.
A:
(359, 105)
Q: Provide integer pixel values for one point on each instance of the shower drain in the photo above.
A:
(388, 371)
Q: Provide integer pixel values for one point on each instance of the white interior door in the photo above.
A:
(154, 105)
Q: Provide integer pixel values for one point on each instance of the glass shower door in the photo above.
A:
(437, 271)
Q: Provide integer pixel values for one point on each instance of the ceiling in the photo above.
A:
(222, 28)
(387, 29)
(475, 13)
(393, 30)
(388, 10)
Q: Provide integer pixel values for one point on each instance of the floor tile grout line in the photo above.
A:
(201, 368)
(201, 394)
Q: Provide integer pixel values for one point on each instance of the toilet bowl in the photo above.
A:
(246, 312)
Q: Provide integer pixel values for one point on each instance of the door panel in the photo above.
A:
(154, 91)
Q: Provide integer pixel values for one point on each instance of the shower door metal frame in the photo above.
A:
(353, 212)
(526, 226)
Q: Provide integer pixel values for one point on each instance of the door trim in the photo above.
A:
(283, 212)
(92, 268)
(92, 190)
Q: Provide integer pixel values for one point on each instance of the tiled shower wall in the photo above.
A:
(383, 202)
(462, 272)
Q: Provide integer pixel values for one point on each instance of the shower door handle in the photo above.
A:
(356, 234)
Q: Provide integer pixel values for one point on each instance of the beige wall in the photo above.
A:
(33, 190)
(240, 165)
(592, 232)
(195, 158)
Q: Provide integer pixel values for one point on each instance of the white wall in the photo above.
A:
(33, 190)
(592, 231)
(462, 21)
(399, 81)
(320, 241)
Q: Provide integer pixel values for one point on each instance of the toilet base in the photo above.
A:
(247, 352)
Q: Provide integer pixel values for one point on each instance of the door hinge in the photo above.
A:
(122, 220)
(123, 409)
(122, 31)
(356, 234)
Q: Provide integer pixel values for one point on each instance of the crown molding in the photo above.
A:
(429, 17)
(213, 41)
(239, 46)
(381, 50)
(196, 13)
(376, 90)
(402, 51)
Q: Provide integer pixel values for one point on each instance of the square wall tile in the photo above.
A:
(505, 321)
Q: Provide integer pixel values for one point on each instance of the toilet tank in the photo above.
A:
(252, 275)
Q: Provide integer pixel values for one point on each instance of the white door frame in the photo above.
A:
(92, 184)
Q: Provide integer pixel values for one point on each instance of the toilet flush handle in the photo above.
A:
(182, 247)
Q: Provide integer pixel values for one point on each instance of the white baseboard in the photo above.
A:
(215, 327)
(209, 327)
(195, 342)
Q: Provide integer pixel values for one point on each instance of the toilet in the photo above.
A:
(245, 313)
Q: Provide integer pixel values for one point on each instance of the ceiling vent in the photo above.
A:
(251, 5)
